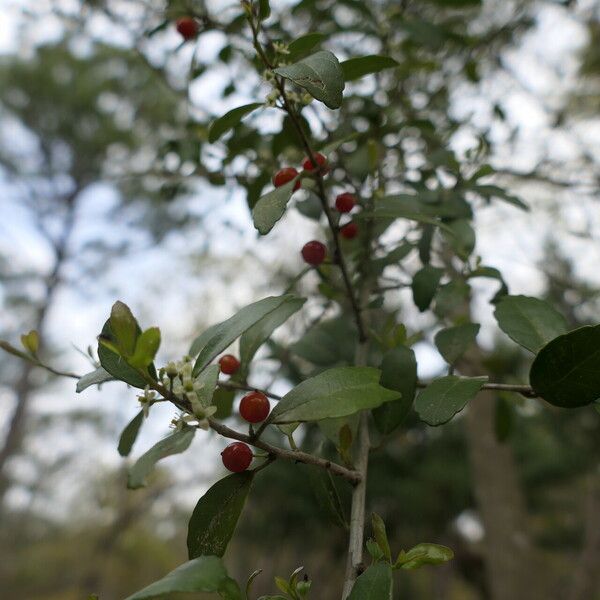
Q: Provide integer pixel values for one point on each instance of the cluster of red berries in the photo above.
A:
(286, 174)
(315, 252)
(254, 408)
(187, 27)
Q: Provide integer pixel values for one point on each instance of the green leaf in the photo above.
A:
(374, 584)
(453, 342)
(424, 554)
(333, 393)
(320, 75)
(115, 364)
(566, 372)
(264, 9)
(493, 191)
(31, 341)
(327, 496)
(130, 434)
(215, 517)
(461, 237)
(96, 377)
(124, 328)
(253, 338)
(394, 257)
(491, 273)
(208, 380)
(271, 207)
(146, 348)
(380, 535)
(229, 120)
(358, 67)
(399, 372)
(223, 400)
(530, 322)
(216, 338)
(408, 206)
(445, 397)
(203, 574)
(173, 444)
(424, 286)
(304, 44)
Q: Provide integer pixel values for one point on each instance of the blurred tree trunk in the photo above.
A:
(510, 562)
(585, 577)
(25, 386)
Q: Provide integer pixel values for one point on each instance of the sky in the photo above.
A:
(541, 72)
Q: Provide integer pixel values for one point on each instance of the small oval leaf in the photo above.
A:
(229, 120)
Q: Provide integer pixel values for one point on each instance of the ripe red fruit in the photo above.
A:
(285, 175)
(229, 364)
(321, 162)
(349, 231)
(254, 407)
(237, 457)
(187, 27)
(345, 202)
(314, 253)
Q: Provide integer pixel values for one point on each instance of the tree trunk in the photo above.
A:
(586, 580)
(509, 556)
(24, 386)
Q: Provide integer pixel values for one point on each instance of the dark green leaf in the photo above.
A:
(399, 372)
(530, 322)
(374, 584)
(328, 343)
(320, 75)
(271, 207)
(358, 67)
(215, 517)
(173, 444)
(424, 286)
(253, 338)
(461, 237)
(217, 337)
(130, 434)
(229, 120)
(264, 9)
(445, 397)
(304, 44)
(453, 342)
(566, 372)
(203, 574)
(223, 400)
(333, 393)
(327, 495)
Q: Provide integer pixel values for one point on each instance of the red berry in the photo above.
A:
(349, 231)
(187, 27)
(345, 202)
(229, 364)
(254, 407)
(314, 253)
(321, 162)
(284, 176)
(237, 457)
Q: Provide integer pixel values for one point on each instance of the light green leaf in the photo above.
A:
(304, 44)
(130, 434)
(253, 338)
(424, 554)
(374, 584)
(399, 372)
(208, 380)
(380, 535)
(566, 372)
(146, 347)
(173, 444)
(358, 67)
(445, 397)
(124, 328)
(217, 337)
(216, 514)
(96, 377)
(229, 120)
(530, 322)
(203, 574)
(453, 342)
(424, 286)
(271, 207)
(333, 393)
(320, 75)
